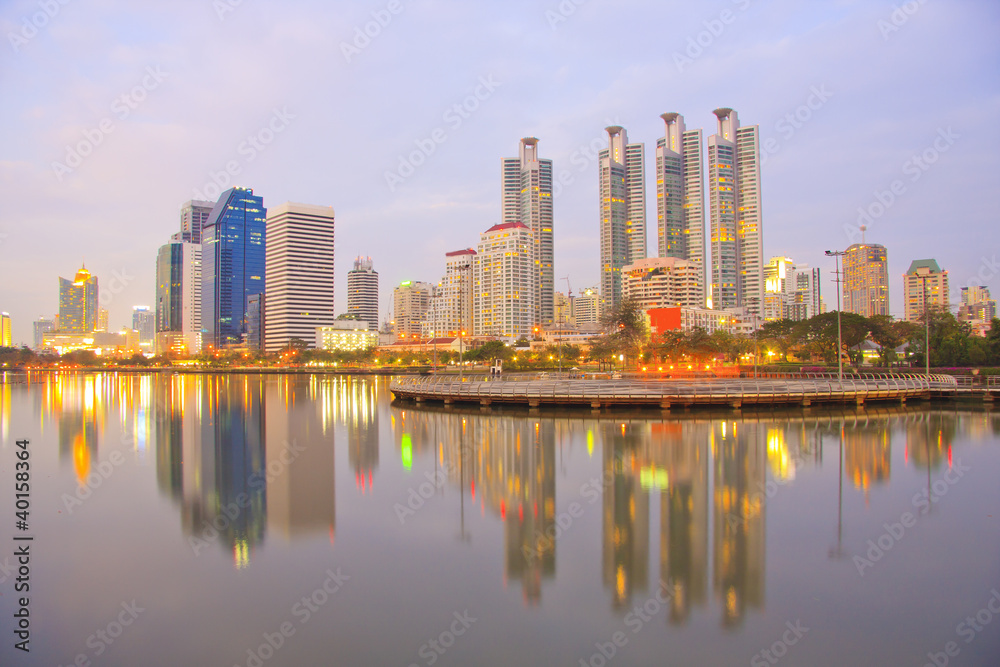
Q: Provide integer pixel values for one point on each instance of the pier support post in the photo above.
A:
(806, 402)
(736, 404)
(859, 401)
(665, 406)
(595, 405)
(485, 402)
(533, 402)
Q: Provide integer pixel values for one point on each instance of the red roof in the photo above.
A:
(506, 225)
(467, 251)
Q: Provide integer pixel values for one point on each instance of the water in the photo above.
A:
(243, 520)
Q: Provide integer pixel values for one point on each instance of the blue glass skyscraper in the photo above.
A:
(233, 241)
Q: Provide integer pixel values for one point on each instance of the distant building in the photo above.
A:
(300, 274)
(177, 310)
(194, 216)
(40, 327)
(658, 282)
(256, 326)
(673, 318)
(564, 309)
(503, 301)
(976, 308)
(866, 280)
(78, 303)
(6, 336)
(144, 321)
(925, 287)
(233, 265)
(124, 343)
(587, 307)
(527, 199)
(450, 311)
(362, 291)
(410, 304)
(345, 336)
(791, 291)
(621, 171)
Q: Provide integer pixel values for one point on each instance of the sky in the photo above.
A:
(397, 113)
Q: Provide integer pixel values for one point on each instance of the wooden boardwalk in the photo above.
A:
(536, 391)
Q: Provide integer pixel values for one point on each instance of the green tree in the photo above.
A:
(626, 327)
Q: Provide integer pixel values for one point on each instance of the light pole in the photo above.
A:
(840, 343)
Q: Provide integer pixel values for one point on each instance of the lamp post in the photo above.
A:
(840, 343)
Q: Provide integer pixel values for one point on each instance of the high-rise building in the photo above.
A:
(6, 336)
(194, 216)
(451, 306)
(40, 327)
(925, 287)
(734, 202)
(791, 291)
(362, 291)
(410, 303)
(623, 210)
(300, 276)
(78, 303)
(866, 280)
(527, 199)
(233, 265)
(144, 321)
(502, 276)
(587, 307)
(975, 304)
(102, 319)
(680, 200)
(177, 311)
(661, 282)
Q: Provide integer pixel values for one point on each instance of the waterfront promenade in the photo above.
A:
(535, 390)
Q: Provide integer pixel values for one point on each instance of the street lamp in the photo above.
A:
(840, 344)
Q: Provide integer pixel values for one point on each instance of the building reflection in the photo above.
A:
(868, 453)
(928, 439)
(75, 402)
(357, 407)
(625, 547)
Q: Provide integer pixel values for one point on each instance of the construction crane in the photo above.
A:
(569, 287)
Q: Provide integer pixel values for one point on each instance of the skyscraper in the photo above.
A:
(194, 215)
(451, 305)
(78, 303)
(866, 280)
(144, 321)
(734, 202)
(623, 210)
(527, 199)
(925, 287)
(177, 310)
(410, 303)
(680, 200)
(362, 292)
(233, 261)
(502, 276)
(300, 274)
(40, 327)
(6, 337)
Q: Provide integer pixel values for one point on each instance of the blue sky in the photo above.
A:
(163, 97)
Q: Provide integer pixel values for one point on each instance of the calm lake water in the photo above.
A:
(242, 520)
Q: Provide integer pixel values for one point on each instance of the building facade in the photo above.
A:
(680, 199)
(866, 280)
(233, 265)
(791, 291)
(622, 188)
(346, 336)
(362, 291)
(177, 310)
(659, 282)
(40, 327)
(6, 331)
(527, 199)
(975, 304)
(736, 237)
(410, 304)
(925, 287)
(144, 322)
(194, 216)
(450, 311)
(78, 303)
(300, 274)
(587, 307)
(503, 282)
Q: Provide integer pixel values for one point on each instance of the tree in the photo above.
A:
(626, 327)
(889, 334)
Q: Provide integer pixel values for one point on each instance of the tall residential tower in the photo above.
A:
(362, 292)
(623, 210)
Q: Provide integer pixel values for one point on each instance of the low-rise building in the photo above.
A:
(346, 336)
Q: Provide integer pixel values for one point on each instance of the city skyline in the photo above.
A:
(836, 152)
